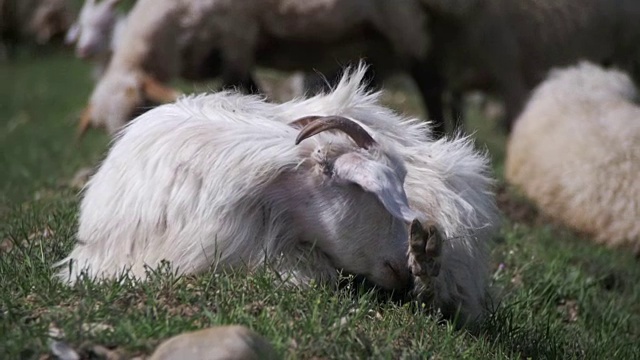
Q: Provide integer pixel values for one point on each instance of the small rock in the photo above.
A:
(95, 328)
(222, 342)
(293, 344)
(6, 245)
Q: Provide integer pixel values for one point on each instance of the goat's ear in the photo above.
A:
(376, 178)
(158, 92)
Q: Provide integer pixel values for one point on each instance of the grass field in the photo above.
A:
(559, 296)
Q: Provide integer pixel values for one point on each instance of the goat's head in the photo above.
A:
(357, 198)
(94, 28)
(119, 97)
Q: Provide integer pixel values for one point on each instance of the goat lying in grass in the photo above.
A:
(233, 181)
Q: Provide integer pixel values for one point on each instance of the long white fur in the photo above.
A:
(575, 151)
(446, 182)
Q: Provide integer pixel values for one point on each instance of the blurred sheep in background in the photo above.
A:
(199, 39)
(575, 151)
(507, 47)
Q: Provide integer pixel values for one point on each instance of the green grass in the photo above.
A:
(557, 296)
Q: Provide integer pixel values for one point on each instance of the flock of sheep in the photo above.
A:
(333, 180)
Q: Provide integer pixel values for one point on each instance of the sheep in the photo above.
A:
(575, 152)
(96, 32)
(507, 47)
(33, 20)
(133, 79)
(298, 23)
(219, 180)
(281, 33)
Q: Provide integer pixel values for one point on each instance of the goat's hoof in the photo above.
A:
(425, 248)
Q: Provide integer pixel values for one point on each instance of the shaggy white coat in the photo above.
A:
(184, 181)
(575, 151)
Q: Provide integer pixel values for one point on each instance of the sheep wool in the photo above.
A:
(575, 151)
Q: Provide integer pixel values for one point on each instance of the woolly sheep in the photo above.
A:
(96, 32)
(575, 151)
(281, 33)
(190, 182)
(318, 23)
(133, 79)
(507, 47)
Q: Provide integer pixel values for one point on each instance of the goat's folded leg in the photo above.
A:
(425, 248)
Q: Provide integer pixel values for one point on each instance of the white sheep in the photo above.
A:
(219, 180)
(575, 151)
(96, 32)
(186, 34)
(507, 47)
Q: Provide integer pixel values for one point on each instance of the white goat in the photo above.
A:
(219, 179)
(575, 151)
(447, 182)
(96, 32)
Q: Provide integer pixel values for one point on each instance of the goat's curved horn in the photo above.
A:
(303, 121)
(317, 124)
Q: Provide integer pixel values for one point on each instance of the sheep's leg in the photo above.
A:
(84, 123)
(425, 248)
(236, 79)
(457, 110)
(238, 56)
(158, 92)
(515, 98)
(431, 86)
